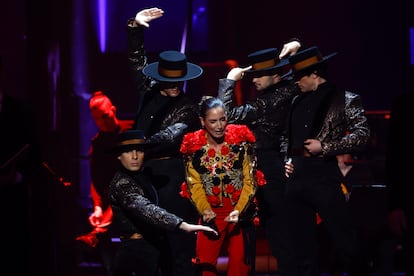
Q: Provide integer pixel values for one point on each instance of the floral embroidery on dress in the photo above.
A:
(221, 173)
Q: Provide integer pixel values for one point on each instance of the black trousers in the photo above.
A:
(136, 257)
(270, 198)
(314, 188)
(179, 248)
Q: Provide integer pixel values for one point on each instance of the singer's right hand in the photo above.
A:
(208, 215)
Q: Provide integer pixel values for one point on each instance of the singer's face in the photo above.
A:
(215, 123)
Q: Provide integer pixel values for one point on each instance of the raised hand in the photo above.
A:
(237, 73)
(289, 49)
(145, 16)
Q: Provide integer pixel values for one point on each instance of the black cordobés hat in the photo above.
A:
(172, 67)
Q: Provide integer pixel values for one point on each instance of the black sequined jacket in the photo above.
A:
(266, 115)
(134, 206)
(340, 124)
(168, 125)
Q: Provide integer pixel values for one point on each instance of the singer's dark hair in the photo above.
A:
(207, 103)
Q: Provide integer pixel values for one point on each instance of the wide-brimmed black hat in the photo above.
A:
(266, 60)
(131, 139)
(307, 60)
(172, 67)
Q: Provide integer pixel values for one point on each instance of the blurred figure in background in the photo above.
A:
(398, 175)
(103, 166)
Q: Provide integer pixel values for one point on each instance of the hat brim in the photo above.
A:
(193, 71)
(288, 75)
(125, 148)
(292, 73)
(281, 63)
